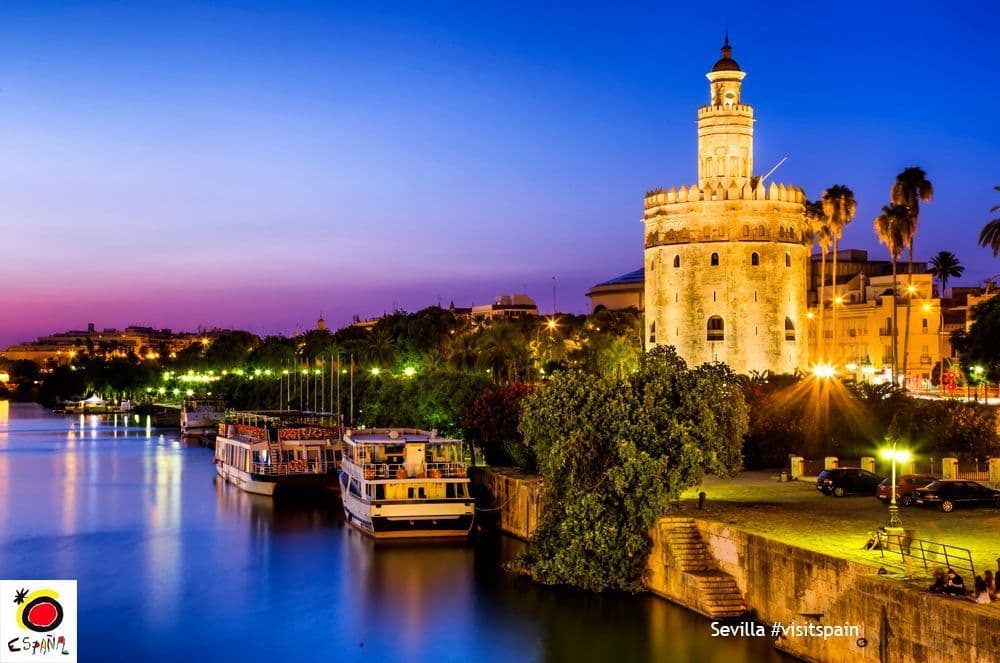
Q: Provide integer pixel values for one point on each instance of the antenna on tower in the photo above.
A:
(771, 172)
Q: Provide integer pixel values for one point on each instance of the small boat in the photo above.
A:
(201, 416)
(263, 452)
(405, 483)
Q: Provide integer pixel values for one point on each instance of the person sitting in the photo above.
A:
(980, 594)
(940, 582)
(991, 584)
(955, 584)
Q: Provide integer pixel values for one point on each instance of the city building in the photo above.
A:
(625, 291)
(506, 306)
(726, 259)
(857, 326)
(143, 342)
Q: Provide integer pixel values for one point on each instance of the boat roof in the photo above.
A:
(393, 436)
(280, 418)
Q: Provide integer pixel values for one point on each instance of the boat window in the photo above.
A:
(354, 488)
(421, 493)
(409, 493)
(379, 491)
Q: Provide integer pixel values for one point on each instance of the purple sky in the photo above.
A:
(252, 164)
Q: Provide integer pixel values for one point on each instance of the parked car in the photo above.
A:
(955, 492)
(905, 485)
(847, 480)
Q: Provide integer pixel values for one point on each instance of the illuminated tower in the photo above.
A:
(726, 259)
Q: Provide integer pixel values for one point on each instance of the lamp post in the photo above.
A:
(894, 455)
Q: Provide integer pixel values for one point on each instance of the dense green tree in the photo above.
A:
(980, 346)
(492, 424)
(614, 453)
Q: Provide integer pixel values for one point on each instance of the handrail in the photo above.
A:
(292, 467)
(398, 471)
(927, 552)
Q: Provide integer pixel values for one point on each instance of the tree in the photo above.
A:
(910, 188)
(615, 451)
(820, 230)
(888, 227)
(945, 266)
(990, 235)
(492, 423)
(839, 207)
(980, 346)
(503, 352)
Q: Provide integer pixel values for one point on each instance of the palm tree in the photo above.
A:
(821, 235)
(839, 207)
(888, 227)
(944, 266)
(910, 188)
(990, 236)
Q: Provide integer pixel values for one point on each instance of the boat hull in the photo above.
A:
(427, 519)
(269, 485)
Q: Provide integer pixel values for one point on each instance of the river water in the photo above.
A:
(174, 565)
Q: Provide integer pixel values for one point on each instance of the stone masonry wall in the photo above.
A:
(783, 583)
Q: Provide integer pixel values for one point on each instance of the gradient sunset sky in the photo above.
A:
(250, 164)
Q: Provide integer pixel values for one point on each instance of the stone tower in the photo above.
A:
(726, 259)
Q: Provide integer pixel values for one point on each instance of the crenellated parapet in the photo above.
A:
(658, 198)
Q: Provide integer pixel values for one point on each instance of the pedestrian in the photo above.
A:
(940, 582)
(980, 594)
(955, 584)
(991, 584)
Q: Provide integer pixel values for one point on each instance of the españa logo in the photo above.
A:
(38, 621)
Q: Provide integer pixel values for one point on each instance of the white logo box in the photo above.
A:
(38, 621)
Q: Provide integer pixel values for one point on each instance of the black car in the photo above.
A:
(847, 480)
(953, 493)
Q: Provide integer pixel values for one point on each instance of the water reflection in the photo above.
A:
(185, 566)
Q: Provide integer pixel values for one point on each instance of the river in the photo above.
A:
(174, 565)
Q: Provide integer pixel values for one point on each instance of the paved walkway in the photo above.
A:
(797, 513)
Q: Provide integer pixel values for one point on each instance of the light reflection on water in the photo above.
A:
(176, 565)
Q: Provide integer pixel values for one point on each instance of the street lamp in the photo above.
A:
(895, 455)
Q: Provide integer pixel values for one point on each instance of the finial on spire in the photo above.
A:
(727, 50)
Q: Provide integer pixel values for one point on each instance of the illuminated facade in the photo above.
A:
(726, 259)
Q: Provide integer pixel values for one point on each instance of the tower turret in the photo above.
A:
(725, 127)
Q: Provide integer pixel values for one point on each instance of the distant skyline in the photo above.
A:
(252, 164)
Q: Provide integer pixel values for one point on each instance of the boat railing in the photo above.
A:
(430, 471)
(292, 467)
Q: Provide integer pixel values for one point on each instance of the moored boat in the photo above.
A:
(263, 452)
(405, 483)
(201, 416)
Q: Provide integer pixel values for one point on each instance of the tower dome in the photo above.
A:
(726, 62)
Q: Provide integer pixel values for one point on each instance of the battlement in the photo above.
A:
(730, 191)
(744, 110)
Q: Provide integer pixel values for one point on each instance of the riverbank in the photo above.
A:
(708, 561)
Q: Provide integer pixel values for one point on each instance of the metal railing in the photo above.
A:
(928, 553)
(292, 467)
(430, 470)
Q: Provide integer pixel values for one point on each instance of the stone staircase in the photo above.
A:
(716, 592)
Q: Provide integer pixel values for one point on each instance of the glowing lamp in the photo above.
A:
(376, 370)
(409, 371)
(823, 371)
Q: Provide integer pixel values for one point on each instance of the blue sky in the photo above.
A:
(252, 164)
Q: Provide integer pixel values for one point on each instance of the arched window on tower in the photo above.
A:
(715, 260)
(754, 258)
(652, 332)
(677, 262)
(788, 260)
(716, 329)
(789, 329)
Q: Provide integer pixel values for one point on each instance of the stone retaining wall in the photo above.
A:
(786, 584)
(509, 495)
